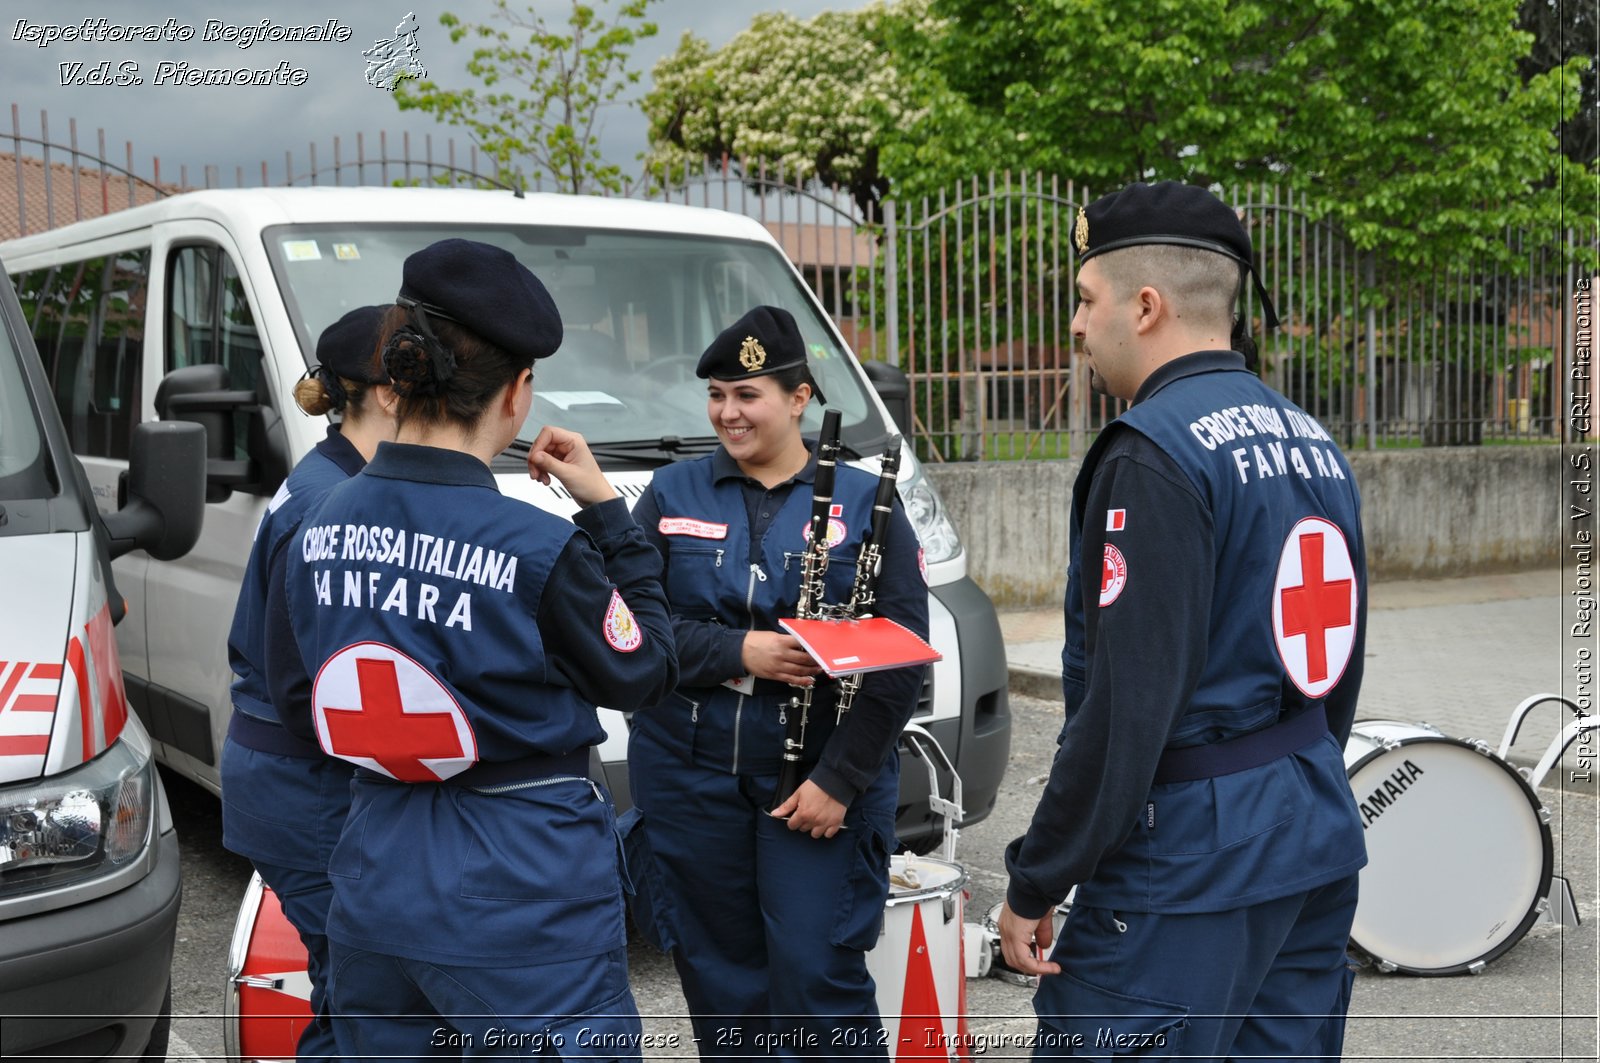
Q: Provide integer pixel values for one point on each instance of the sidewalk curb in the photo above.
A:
(1034, 683)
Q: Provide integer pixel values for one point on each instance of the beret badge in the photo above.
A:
(752, 355)
(1080, 232)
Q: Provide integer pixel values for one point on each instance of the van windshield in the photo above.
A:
(22, 467)
(637, 310)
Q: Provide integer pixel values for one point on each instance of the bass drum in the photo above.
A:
(268, 1001)
(1459, 855)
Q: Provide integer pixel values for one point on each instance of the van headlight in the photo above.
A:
(78, 825)
(923, 505)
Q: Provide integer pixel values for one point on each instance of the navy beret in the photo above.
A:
(765, 340)
(1164, 213)
(1167, 212)
(349, 346)
(486, 291)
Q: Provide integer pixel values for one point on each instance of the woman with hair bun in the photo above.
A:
(453, 643)
(283, 800)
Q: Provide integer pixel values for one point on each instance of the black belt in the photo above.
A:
(1247, 751)
(264, 736)
(507, 772)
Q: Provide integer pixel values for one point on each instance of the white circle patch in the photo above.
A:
(378, 708)
(621, 628)
(1113, 575)
(1314, 605)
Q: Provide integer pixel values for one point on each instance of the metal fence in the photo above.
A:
(971, 292)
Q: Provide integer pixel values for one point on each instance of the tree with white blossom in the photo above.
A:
(812, 98)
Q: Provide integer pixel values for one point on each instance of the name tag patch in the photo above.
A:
(698, 529)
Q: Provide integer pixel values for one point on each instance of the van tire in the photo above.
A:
(156, 1050)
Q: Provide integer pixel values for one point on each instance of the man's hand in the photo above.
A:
(1018, 936)
(775, 655)
(811, 809)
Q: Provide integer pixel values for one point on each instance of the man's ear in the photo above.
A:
(1152, 309)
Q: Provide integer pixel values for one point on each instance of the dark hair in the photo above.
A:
(448, 378)
(791, 377)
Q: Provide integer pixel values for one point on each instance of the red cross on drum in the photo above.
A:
(378, 708)
(1314, 605)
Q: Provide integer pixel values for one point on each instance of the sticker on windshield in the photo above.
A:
(301, 250)
(346, 252)
(568, 399)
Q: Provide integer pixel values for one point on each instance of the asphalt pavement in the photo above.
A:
(1457, 655)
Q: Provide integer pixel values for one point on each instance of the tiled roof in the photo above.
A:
(95, 193)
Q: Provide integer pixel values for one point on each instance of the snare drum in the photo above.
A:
(918, 963)
(1458, 850)
(268, 1001)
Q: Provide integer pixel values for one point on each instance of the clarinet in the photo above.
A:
(869, 562)
(813, 571)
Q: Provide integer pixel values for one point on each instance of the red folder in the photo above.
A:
(844, 647)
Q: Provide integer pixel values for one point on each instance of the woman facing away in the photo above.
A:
(453, 644)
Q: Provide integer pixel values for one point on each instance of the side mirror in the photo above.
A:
(894, 388)
(166, 492)
(200, 394)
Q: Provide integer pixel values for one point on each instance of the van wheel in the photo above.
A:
(161, 1032)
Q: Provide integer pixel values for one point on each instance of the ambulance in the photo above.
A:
(216, 300)
(89, 883)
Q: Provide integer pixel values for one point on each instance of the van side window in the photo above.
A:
(87, 319)
(209, 322)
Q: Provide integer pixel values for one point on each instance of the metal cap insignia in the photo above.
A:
(1080, 232)
(752, 355)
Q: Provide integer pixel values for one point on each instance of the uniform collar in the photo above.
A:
(434, 465)
(339, 450)
(723, 467)
(1187, 366)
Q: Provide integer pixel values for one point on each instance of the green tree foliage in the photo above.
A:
(1405, 121)
(1563, 30)
(815, 98)
(543, 91)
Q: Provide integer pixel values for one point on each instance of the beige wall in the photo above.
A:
(1445, 511)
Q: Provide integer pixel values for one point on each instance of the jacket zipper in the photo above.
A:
(738, 709)
(551, 781)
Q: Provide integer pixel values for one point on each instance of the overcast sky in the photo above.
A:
(234, 126)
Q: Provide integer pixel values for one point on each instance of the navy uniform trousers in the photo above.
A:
(1283, 997)
(768, 926)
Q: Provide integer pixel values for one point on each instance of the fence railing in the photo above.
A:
(971, 292)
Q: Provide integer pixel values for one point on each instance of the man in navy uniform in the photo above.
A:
(1198, 801)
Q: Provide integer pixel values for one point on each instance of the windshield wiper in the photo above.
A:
(663, 450)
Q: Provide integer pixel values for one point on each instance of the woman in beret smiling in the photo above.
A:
(459, 643)
(768, 913)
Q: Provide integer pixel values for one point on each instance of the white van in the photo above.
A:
(232, 289)
(89, 881)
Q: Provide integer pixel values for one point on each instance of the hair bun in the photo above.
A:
(409, 363)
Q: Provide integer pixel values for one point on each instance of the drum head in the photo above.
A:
(1458, 857)
(913, 877)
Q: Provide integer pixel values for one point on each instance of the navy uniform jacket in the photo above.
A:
(277, 808)
(450, 633)
(734, 567)
(1231, 595)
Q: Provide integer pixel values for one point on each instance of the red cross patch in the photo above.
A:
(1314, 604)
(1113, 575)
(376, 707)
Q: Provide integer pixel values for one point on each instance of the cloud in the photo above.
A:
(241, 126)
